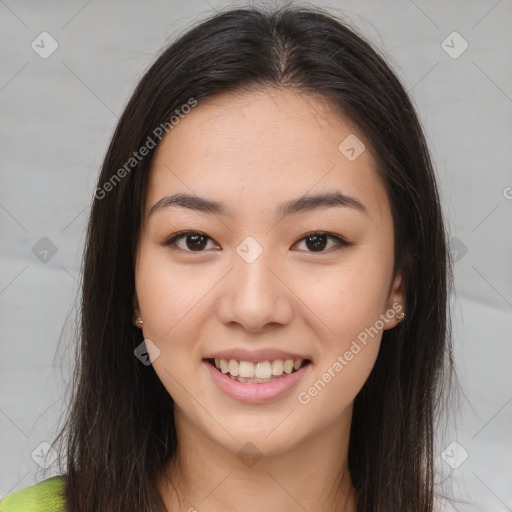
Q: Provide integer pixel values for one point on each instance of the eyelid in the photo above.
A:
(340, 241)
(183, 234)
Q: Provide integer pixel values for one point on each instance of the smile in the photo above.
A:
(260, 372)
(263, 386)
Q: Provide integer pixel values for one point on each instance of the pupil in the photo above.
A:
(194, 245)
(316, 245)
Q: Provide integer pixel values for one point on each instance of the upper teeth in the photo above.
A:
(261, 370)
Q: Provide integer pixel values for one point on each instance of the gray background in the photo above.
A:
(57, 117)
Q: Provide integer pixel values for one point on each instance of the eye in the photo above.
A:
(317, 241)
(196, 241)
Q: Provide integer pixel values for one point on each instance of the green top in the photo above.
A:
(46, 496)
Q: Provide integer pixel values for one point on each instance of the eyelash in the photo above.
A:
(341, 242)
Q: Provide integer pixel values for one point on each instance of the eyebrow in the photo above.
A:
(292, 207)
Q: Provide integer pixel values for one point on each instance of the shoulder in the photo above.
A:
(45, 496)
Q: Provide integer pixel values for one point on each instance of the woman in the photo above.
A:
(264, 309)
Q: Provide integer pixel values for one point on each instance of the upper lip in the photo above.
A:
(255, 356)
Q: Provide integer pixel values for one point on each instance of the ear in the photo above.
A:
(396, 299)
(135, 301)
(136, 312)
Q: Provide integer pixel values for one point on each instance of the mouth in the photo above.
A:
(261, 372)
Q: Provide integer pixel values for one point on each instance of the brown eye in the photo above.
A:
(195, 241)
(317, 241)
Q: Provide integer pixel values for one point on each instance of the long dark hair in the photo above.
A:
(119, 431)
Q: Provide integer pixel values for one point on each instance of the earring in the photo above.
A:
(400, 316)
(137, 321)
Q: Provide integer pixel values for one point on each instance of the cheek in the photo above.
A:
(348, 297)
(333, 389)
(348, 308)
(169, 294)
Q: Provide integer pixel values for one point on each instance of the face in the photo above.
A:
(260, 277)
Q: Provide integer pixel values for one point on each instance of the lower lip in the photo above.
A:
(255, 393)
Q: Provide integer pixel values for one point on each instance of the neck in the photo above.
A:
(312, 476)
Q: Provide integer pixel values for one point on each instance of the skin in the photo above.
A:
(253, 152)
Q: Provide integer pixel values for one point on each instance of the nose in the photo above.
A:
(255, 296)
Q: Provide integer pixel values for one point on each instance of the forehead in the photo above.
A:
(264, 146)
